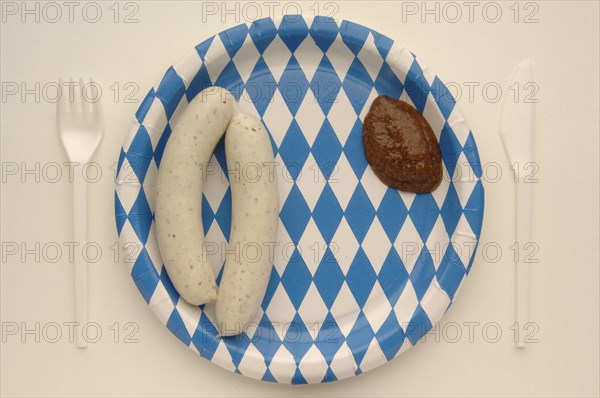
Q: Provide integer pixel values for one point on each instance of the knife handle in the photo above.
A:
(524, 191)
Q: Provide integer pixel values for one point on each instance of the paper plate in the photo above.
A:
(361, 272)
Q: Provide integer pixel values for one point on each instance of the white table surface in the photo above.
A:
(564, 283)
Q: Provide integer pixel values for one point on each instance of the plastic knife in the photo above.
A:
(516, 133)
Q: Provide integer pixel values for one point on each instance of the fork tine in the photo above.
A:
(73, 97)
(82, 98)
(61, 106)
(95, 103)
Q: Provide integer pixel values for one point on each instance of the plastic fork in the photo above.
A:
(80, 127)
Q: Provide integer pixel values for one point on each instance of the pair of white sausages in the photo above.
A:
(255, 208)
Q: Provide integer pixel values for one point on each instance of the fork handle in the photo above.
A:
(81, 267)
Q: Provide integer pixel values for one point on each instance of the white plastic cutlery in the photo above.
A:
(80, 127)
(516, 133)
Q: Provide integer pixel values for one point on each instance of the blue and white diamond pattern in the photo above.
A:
(361, 272)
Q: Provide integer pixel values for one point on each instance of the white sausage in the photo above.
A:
(255, 213)
(178, 211)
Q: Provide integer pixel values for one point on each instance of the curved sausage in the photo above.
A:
(255, 213)
(178, 210)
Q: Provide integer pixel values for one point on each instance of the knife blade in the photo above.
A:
(516, 133)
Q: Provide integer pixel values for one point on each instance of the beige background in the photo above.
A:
(564, 287)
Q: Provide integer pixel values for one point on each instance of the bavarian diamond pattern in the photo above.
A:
(361, 271)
